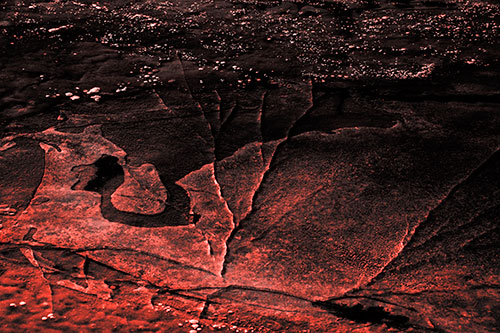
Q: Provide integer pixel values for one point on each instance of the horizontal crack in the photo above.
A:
(46, 246)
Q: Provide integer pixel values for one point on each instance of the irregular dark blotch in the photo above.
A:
(107, 169)
(195, 218)
(361, 314)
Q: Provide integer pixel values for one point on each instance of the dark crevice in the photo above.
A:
(107, 169)
(86, 265)
(257, 191)
(180, 294)
(206, 307)
(28, 237)
(361, 314)
(210, 247)
(109, 176)
(370, 298)
(220, 290)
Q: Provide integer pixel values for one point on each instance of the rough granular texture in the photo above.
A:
(249, 166)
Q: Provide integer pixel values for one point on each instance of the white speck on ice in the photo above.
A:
(94, 90)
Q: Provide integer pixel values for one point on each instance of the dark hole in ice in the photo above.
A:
(107, 169)
(109, 176)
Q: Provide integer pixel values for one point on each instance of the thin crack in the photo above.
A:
(490, 212)
(391, 292)
(219, 291)
(233, 226)
(47, 246)
(407, 241)
(30, 256)
(139, 121)
(207, 122)
(265, 175)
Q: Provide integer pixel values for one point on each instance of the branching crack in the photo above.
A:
(256, 193)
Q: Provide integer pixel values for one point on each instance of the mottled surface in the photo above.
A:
(245, 166)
